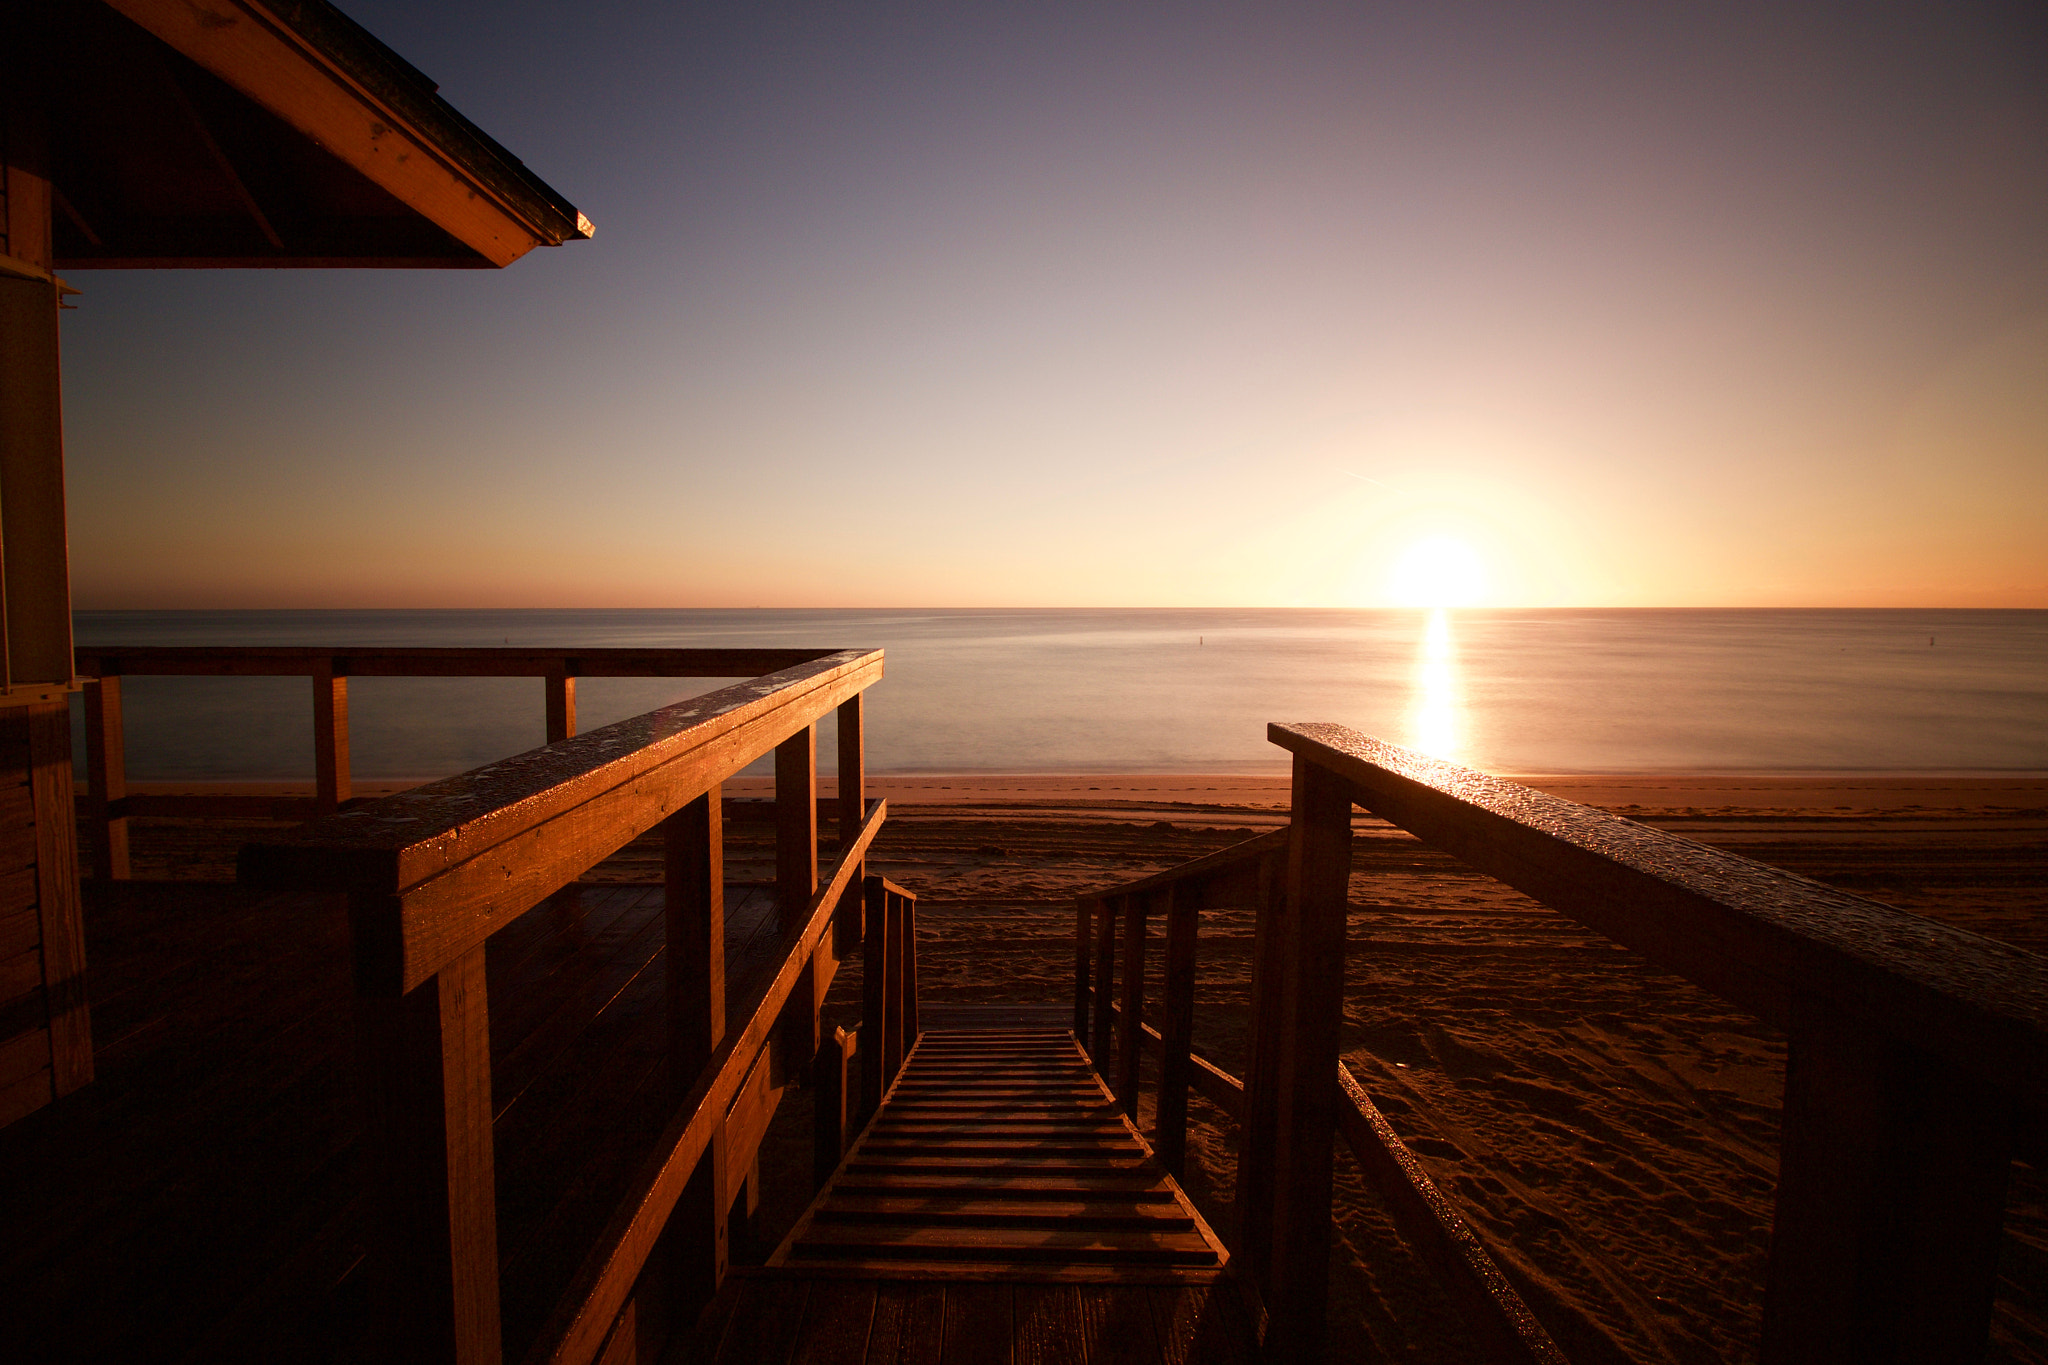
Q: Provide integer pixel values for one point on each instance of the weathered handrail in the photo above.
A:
(436, 869)
(108, 805)
(431, 873)
(1249, 874)
(1917, 1050)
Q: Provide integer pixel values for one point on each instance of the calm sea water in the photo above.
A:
(1182, 690)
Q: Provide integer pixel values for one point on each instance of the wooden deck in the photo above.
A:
(204, 1199)
(999, 1206)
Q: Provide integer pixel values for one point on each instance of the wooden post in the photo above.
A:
(1084, 918)
(796, 824)
(106, 769)
(331, 785)
(427, 1067)
(1130, 1038)
(874, 974)
(1310, 977)
(852, 815)
(693, 871)
(693, 858)
(829, 1088)
(1105, 980)
(796, 876)
(852, 770)
(560, 685)
(1177, 1031)
(1891, 1196)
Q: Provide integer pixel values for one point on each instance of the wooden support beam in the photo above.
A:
(427, 1068)
(1105, 979)
(1129, 1048)
(1177, 1031)
(106, 771)
(852, 768)
(331, 783)
(796, 874)
(796, 824)
(1311, 981)
(560, 687)
(1492, 1309)
(1891, 1196)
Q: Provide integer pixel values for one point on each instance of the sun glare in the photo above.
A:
(1438, 572)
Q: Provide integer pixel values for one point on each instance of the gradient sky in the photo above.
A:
(1118, 304)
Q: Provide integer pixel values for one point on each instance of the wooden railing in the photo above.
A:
(432, 873)
(1918, 1053)
(108, 805)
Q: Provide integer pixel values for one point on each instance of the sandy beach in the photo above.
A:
(1609, 1129)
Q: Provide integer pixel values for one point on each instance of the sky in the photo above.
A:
(1114, 304)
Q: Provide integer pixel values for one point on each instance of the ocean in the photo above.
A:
(1179, 690)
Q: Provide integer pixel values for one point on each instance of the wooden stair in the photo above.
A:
(998, 1209)
(1000, 1150)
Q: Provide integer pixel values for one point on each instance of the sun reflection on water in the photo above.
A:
(1436, 706)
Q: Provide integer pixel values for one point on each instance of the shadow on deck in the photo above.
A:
(203, 1200)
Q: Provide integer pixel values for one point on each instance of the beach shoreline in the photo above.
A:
(1880, 790)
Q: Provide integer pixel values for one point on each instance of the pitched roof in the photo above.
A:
(269, 133)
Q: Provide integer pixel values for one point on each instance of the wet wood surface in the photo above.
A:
(998, 1208)
(1000, 1148)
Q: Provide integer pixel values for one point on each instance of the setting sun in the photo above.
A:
(1438, 572)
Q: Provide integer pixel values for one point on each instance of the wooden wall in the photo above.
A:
(45, 1039)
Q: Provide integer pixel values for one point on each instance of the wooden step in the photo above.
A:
(994, 1151)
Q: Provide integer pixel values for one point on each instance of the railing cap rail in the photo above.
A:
(435, 661)
(401, 840)
(1768, 940)
(1223, 862)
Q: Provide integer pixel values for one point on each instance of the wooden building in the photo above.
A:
(140, 134)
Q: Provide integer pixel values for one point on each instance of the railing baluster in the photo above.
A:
(693, 872)
(910, 1026)
(1105, 969)
(560, 688)
(1130, 1043)
(1085, 909)
(1891, 1197)
(874, 1023)
(829, 1089)
(892, 988)
(1177, 1029)
(427, 1063)
(106, 768)
(1253, 1199)
(331, 783)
